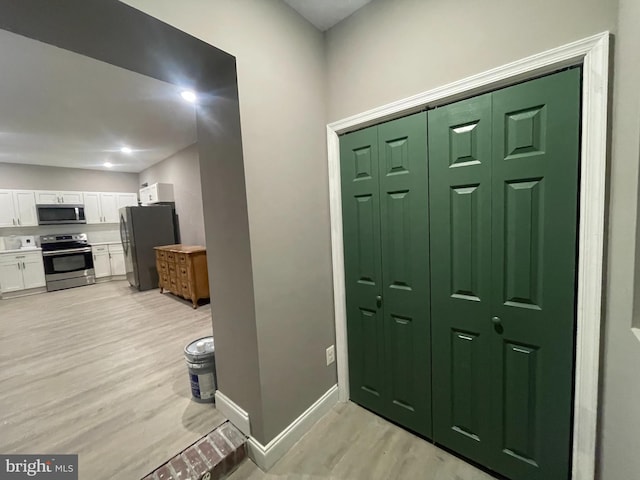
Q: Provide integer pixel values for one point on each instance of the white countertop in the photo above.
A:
(21, 250)
(104, 243)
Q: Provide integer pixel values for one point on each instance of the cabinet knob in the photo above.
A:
(379, 300)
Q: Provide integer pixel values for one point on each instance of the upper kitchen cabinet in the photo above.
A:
(127, 200)
(103, 207)
(157, 193)
(65, 198)
(17, 208)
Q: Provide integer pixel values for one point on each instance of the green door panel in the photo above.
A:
(504, 193)
(460, 213)
(534, 218)
(386, 246)
(362, 258)
(404, 221)
(461, 283)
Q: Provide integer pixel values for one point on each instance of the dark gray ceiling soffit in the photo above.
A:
(113, 32)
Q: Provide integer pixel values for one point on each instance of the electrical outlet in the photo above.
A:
(331, 355)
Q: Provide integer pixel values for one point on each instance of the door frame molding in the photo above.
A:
(593, 54)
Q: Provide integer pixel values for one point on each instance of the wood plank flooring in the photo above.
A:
(350, 443)
(99, 371)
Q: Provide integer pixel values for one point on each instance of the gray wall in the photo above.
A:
(35, 177)
(620, 429)
(392, 49)
(183, 171)
(281, 79)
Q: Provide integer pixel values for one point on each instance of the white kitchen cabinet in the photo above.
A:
(24, 204)
(10, 276)
(103, 207)
(17, 208)
(108, 260)
(116, 259)
(7, 212)
(21, 271)
(92, 210)
(48, 197)
(109, 204)
(33, 271)
(127, 200)
(157, 193)
(101, 262)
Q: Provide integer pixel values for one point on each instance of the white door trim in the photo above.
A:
(593, 54)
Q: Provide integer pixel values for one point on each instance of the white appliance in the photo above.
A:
(18, 242)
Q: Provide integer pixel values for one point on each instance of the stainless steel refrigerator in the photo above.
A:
(141, 229)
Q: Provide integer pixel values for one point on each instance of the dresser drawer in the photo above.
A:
(184, 272)
(172, 268)
(182, 258)
(163, 267)
(186, 291)
(161, 254)
(173, 285)
(171, 257)
(164, 278)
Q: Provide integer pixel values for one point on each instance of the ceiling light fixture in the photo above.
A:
(126, 150)
(189, 96)
(108, 164)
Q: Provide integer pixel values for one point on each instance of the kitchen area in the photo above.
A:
(99, 166)
(58, 254)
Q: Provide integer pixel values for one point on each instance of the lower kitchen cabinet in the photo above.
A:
(21, 271)
(116, 260)
(108, 260)
(101, 263)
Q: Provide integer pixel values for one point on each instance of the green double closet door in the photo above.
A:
(460, 269)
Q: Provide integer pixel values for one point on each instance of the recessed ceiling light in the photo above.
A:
(189, 96)
(126, 150)
(108, 164)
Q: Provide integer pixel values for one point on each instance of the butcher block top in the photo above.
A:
(179, 248)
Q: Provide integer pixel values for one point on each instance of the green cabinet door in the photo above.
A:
(460, 206)
(386, 225)
(534, 217)
(503, 272)
(362, 262)
(404, 222)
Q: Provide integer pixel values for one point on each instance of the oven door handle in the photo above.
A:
(71, 250)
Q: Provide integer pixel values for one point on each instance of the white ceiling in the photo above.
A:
(59, 108)
(324, 14)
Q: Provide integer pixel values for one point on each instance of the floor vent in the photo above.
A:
(211, 458)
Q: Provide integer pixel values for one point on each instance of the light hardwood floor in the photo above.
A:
(99, 371)
(350, 443)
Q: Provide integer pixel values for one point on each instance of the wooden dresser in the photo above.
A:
(183, 271)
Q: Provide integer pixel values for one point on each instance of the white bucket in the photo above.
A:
(201, 362)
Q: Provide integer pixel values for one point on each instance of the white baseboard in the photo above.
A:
(266, 456)
(233, 412)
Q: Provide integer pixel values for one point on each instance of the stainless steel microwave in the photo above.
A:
(60, 214)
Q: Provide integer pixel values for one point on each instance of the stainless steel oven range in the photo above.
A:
(68, 261)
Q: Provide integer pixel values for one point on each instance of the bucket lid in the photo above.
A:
(199, 349)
